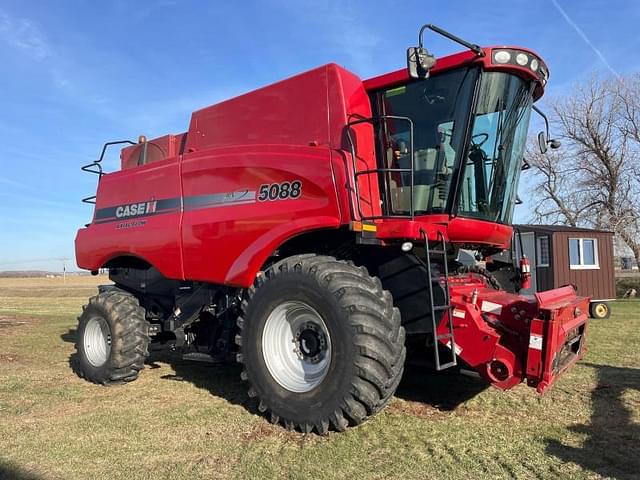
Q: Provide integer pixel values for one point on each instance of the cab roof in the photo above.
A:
(467, 58)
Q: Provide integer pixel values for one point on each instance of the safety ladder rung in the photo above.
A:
(438, 252)
(445, 335)
(448, 364)
(441, 308)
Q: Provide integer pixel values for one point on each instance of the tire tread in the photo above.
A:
(131, 332)
(377, 334)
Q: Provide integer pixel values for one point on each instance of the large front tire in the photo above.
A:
(112, 339)
(321, 343)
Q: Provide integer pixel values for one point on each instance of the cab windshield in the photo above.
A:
(439, 108)
(492, 165)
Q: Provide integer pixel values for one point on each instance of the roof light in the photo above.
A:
(502, 56)
(522, 59)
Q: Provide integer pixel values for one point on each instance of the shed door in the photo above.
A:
(529, 247)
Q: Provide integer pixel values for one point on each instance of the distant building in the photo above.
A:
(628, 263)
(562, 255)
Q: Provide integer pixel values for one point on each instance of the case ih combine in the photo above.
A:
(310, 230)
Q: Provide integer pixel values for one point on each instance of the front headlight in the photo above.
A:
(502, 56)
(522, 59)
(509, 56)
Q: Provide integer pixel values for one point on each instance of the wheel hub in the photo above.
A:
(97, 341)
(296, 346)
(310, 343)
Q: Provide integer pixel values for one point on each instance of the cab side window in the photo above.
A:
(438, 118)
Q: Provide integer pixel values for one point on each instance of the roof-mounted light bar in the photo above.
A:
(510, 56)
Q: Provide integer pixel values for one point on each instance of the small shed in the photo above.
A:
(562, 255)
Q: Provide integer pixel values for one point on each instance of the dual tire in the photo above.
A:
(321, 344)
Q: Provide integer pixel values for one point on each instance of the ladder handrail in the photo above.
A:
(447, 307)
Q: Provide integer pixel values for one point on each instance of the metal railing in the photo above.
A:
(96, 165)
(385, 170)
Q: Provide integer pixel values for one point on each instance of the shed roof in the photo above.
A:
(559, 228)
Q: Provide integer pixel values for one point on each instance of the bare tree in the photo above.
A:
(594, 180)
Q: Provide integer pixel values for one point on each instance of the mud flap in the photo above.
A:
(557, 336)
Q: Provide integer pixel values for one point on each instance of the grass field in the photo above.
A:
(190, 421)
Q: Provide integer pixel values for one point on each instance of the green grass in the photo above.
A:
(191, 421)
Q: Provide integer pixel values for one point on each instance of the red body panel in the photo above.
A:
(222, 233)
(157, 240)
(228, 244)
(456, 230)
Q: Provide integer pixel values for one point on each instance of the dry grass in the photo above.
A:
(183, 420)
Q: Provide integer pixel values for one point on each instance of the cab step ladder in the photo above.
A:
(446, 307)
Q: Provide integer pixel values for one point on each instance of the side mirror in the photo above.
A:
(419, 62)
(553, 143)
(542, 142)
(543, 137)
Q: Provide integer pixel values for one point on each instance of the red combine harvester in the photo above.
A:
(310, 229)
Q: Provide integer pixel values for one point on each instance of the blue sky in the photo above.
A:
(76, 74)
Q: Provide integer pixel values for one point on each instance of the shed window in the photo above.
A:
(543, 252)
(583, 253)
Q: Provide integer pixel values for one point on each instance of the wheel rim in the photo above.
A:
(601, 310)
(97, 341)
(296, 346)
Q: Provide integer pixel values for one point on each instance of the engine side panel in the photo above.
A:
(138, 213)
(232, 222)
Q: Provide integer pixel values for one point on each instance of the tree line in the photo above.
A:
(594, 179)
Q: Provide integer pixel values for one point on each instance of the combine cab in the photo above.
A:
(310, 230)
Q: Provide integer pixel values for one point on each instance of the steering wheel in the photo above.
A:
(484, 136)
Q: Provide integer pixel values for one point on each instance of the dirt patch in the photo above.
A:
(415, 409)
(11, 358)
(265, 430)
(7, 322)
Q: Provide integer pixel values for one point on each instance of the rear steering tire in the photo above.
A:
(112, 339)
(321, 344)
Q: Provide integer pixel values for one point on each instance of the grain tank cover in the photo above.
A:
(306, 109)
